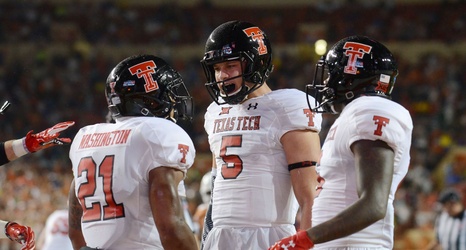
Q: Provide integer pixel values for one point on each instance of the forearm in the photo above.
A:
(306, 217)
(11, 150)
(179, 237)
(357, 217)
(351, 220)
(74, 219)
(304, 181)
(174, 232)
(15, 149)
(76, 238)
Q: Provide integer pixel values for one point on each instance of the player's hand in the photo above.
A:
(21, 234)
(299, 241)
(47, 138)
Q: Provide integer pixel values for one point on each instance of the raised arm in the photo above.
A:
(34, 142)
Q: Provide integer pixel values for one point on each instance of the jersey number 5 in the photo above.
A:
(97, 211)
(233, 165)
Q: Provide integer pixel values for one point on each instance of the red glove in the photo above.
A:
(21, 234)
(299, 241)
(47, 138)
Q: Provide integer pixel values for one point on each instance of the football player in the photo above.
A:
(13, 149)
(55, 233)
(264, 144)
(126, 174)
(366, 152)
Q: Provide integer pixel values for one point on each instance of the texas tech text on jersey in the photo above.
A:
(237, 123)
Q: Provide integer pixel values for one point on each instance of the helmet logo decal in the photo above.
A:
(129, 83)
(145, 70)
(226, 50)
(382, 84)
(257, 35)
(354, 51)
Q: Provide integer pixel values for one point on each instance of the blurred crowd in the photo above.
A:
(55, 57)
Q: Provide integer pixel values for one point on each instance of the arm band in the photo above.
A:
(3, 157)
(302, 164)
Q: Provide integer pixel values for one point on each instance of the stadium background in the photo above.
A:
(55, 56)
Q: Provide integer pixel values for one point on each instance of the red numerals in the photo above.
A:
(98, 211)
(233, 165)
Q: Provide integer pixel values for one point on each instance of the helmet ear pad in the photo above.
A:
(237, 40)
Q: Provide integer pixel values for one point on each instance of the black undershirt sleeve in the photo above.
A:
(3, 158)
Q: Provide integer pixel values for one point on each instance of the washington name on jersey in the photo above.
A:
(104, 139)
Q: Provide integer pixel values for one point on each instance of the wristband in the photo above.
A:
(3, 156)
(302, 164)
(19, 147)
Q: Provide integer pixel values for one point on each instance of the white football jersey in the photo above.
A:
(56, 231)
(111, 165)
(365, 118)
(252, 186)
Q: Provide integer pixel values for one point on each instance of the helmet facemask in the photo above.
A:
(323, 94)
(182, 107)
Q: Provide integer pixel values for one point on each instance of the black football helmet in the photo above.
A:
(237, 40)
(353, 67)
(145, 85)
